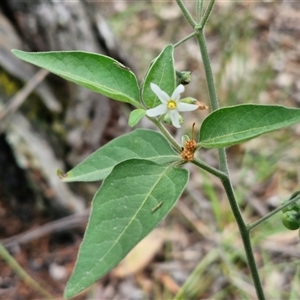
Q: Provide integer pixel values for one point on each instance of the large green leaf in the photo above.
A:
(96, 72)
(232, 125)
(162, 73)
(140, 143)
(132, 201)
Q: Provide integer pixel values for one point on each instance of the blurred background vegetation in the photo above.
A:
(197, 251)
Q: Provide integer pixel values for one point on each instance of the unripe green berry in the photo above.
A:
(290, 220)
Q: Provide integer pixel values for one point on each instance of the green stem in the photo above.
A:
(186, 13)
(270, 214)
(245, 236)
(208, 71)
(244, 230)
(201, 164)
(167, 134)
(224, 174)
(185, 39)
(22, 274)
(211, 90)
(206, 15)
(199, 9)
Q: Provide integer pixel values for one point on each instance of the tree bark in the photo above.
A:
(70, 121)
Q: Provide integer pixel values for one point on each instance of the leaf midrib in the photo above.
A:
(133, 218)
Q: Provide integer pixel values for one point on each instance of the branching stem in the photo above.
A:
(270, 214)
(223, 174)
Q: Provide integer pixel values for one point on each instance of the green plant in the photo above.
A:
(143, 171)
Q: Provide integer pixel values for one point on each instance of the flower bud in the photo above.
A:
(183, 77)
(189, 100)
(168, 120)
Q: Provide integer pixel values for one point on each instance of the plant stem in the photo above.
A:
(167, 134)
(207, 13)
(186, 13)
(199, 9)
(223, 174)
(208, 71)
(185, 39)
(201, 164)
(211, 90)
(245, 236)
(270, 214)
(22, 274)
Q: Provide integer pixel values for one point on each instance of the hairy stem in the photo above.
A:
(223, 174)
(193, 34)
(245, 236)
(207, 13)
(167, 134)
(186, 13)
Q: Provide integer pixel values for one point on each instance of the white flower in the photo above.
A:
(170, 105)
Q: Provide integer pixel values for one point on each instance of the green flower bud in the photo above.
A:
(291, 220)
(167, 119)
(189, 100)
(183, 77)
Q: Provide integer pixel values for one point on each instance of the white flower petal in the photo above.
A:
(174, 116)
(162, 96)
(181, 106)
(156, 111)
(176, 94)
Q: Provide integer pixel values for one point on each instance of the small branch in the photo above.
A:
(201, 164)
(186, 13)
(207, 14)
(270, 214)
(193, 34)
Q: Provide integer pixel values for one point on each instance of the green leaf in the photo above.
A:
(132, 201)
(140, 143)
(162, 73)
(135, 116)
(96, 72)
(232, 125)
